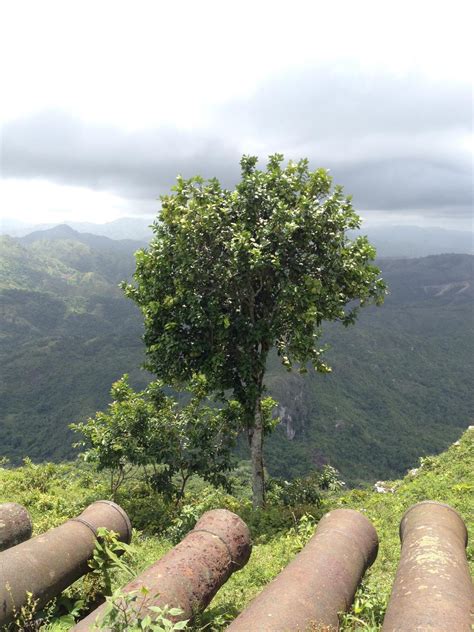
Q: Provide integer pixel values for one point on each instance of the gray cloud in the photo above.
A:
(329, 102)
(392, 142)
(408, 183)
(57, 147)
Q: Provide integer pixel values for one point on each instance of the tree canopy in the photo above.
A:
(231, 274)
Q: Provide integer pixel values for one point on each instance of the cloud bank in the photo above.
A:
(398, 144)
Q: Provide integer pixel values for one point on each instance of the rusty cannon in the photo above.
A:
(189, 575)
(48, 563)
(319, 583)
(432, 588)
(15, 525)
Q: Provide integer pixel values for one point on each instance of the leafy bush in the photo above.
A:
(191, 512)
(123, 615)
(149, 433)
(148, 510)
(305, 490)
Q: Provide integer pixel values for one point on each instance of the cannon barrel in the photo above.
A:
(320, 582)
(432, 588)
(48, 563)
(15, 525)
(189, 575)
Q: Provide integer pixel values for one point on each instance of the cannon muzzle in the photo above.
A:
(432, 588)
(15, 525)
(319, 583)
(48, 563)
(189, 575)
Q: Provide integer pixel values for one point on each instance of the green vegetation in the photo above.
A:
(402, 386)
(148, 433)
(66, 334)
(231, 275)
(53, 493)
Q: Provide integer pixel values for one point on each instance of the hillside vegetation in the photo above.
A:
(66, 333)
(400, 387)
(401, 380)
(54, 493)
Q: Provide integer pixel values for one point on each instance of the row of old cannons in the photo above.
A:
(432, 588)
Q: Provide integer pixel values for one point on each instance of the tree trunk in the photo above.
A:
(256, 454)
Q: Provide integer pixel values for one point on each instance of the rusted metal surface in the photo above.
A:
(189, 575)
(15, 525)
(432, 588)
(320, 582)
(48, 563)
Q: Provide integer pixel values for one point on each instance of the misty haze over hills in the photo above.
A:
(390, 240)
(135, 228)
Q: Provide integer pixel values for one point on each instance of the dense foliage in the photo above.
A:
(149, 433)
(230, 275)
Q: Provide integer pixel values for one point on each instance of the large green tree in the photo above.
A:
(229, 275)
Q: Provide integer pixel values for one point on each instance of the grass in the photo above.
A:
(54, 493)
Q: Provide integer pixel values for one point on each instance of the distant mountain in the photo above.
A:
(134, 228)
(402, 378)
(93, 240)
(66, 262)
(401, 385)
(66, 333)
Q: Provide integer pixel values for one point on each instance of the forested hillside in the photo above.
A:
(402, 377)
(66, 333)
(400, 387)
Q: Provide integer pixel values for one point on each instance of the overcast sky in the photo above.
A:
(104, 103)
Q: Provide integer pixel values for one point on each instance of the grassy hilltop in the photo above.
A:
(52, 493)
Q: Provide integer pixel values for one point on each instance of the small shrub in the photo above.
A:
(105, 559)
(123, 615)
(299, 535)
(191, 512)
(39, 477)
(148, 510)
(306, 490)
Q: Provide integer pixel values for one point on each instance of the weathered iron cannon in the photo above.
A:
(189, 575)
(320, 582)
(48, 563)
(432, 588)
(15, 525)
